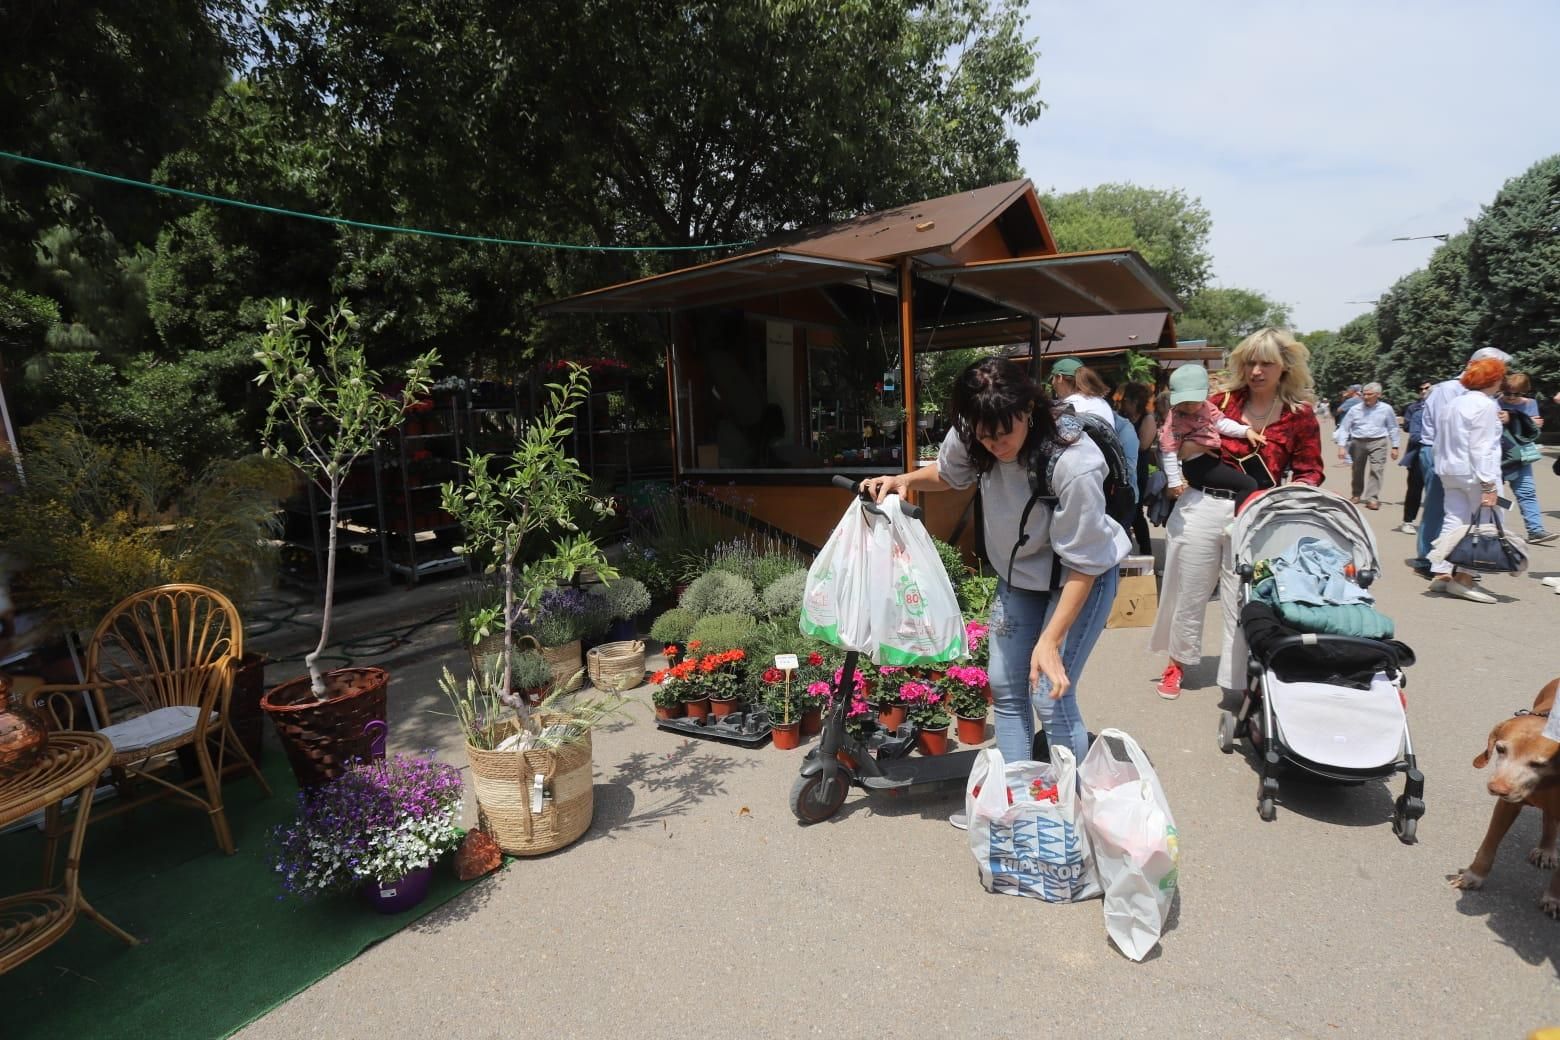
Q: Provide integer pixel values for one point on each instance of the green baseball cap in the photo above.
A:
(1188, 383)
(1066, 367)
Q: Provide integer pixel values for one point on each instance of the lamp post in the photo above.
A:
(1415, 238)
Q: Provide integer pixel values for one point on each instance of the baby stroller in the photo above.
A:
(1329, 705)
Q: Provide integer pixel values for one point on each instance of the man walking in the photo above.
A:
(1366, 430)
(1413, 421)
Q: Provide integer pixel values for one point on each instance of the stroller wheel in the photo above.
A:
(1267, 809)
(1226, 732)
(1406, 828)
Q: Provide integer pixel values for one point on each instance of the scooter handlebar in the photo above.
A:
(854, 487)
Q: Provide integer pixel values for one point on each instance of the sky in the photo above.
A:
(1313, 132)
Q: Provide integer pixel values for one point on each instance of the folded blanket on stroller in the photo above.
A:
(1339, 619)
(1341, 665)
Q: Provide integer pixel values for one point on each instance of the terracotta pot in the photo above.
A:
(787, 735)
(676, 711)
(720, 707)
(322, 738)
(892, 716)
(932, 741)
(972, 731)
(812, 722)
(697, 709)
(23, 735)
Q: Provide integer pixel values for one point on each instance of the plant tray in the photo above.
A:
(746, 728)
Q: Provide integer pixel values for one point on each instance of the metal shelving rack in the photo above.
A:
(362, 554)
(421, 536)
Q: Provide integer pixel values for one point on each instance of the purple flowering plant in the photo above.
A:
(377, 822)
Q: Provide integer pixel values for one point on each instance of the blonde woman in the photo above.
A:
(1270, 390)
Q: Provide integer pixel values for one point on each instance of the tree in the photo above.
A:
(1168, 227)
(1224, 317)
(1425, 322)
(1350, 355)
(1514, 271)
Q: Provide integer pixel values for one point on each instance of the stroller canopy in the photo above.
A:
(1272, 522)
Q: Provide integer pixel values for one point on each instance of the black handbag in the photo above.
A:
(1480, 550)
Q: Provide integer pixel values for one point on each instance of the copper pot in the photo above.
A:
(22, 733)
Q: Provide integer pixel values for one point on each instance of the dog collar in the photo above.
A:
(1536, 714)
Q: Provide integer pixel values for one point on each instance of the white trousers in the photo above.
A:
(1198, 558)
(1462, 496)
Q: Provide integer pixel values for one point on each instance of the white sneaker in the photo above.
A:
(960, 821)
(1467, 592)
(1407, 527)
(1553, 581)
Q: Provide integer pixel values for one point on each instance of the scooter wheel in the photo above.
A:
(811, 803)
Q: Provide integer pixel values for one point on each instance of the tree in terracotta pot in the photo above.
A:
(326, 412)
(505, 505)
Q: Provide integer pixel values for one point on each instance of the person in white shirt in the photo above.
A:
(1074, 383)
(1467, 461)
(1366, 430)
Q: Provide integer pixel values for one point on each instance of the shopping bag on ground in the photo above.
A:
(835, 598)
(1134, 840)
(1024, 830)
(915, 615)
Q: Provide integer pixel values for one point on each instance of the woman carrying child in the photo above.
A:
(1270, 392)
(1190, 443)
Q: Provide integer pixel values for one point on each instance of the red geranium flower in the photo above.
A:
(815, 658)
(773, 675)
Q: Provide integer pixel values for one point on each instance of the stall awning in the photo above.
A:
(1068, 284)
(765, 273)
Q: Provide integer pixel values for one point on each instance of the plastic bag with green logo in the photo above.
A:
(834, 599)
(914, 613)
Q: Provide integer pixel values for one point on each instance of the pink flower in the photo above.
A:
(889, 669)
(858, 707)
(819, 689)
(915, 693)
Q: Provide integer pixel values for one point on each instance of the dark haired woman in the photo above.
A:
(1040, 639)
(1136, 410)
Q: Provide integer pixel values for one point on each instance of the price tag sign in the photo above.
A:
(786, 662)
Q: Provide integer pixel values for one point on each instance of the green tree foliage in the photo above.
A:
(1514, 271)
(1425, 322)
(1350, 355)
(1224, 317)
(1169, 228)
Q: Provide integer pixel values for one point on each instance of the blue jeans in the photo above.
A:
(1526, 492)
(1434, 509)
(1017, 618)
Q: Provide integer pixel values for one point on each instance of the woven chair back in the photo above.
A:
(171, 646)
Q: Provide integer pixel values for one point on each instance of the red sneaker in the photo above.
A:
(1170, 683)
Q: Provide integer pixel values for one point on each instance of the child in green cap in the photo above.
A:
(1189, 442)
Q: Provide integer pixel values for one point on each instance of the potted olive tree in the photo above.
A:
(326, 412)
(504, 506)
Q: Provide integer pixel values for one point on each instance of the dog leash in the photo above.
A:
(1536, 714)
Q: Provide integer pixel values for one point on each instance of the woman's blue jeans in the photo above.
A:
(1526, 492)
(1017, 618)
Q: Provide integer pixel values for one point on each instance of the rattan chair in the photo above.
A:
(164, 659)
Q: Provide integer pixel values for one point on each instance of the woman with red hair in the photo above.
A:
(1467, 461)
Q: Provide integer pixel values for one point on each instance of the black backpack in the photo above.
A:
(1042, 457)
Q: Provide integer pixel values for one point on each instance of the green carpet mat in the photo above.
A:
(220, 945)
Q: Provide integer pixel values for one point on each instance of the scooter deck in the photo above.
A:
(922, 769)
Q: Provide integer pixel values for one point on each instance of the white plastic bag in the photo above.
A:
(1136, 846)
(915, 615)
(1026, 846)
(835, 599)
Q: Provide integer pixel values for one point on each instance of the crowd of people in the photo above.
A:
(1202, 449)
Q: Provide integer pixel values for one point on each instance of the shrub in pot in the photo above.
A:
(673, 626)
(621, 602)
(719, 592)
(326, 411)
(783, 597)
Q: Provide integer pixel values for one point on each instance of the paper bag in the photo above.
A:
(1137, 600)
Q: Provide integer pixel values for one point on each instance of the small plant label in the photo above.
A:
(786, 662)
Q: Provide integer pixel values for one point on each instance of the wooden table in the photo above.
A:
(32, 921)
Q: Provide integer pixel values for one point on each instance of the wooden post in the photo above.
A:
(907, 361)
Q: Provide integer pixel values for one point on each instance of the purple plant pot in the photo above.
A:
(395, 896)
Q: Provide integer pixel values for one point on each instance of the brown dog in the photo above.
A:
(1527, 772)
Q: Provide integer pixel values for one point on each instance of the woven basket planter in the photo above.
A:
(501, 780)
(322, 738)
(565, 661)
(616, 667)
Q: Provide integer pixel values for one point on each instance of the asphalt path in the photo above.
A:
(696, 905)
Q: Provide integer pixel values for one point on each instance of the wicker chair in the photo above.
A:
(170, 652)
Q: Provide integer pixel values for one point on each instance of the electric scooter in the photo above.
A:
(881, 762)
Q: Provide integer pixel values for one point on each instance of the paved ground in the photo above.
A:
(696, 905)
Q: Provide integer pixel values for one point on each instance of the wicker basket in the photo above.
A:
(323, 738)
(565, 661)
(616, 667)
(501, 781)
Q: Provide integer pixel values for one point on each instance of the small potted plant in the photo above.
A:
(531, 676)
(559, 622)
(722, 680)
(667, 695)
(783, 703)
(326, 412)
(965, 688)
(378, 828)
(928, 709)
(623, 602)
(892, 708)
(977, 640)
